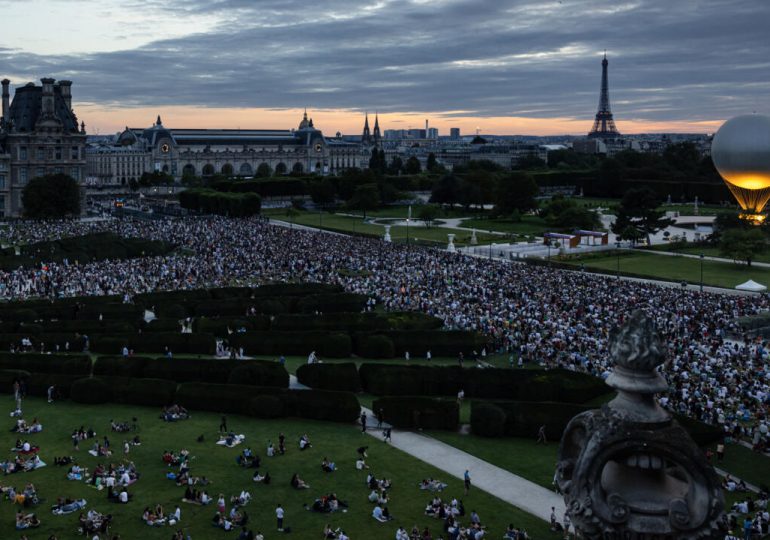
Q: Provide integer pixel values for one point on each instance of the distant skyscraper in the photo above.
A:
(433, 133)
(454, 133)
(604, 125)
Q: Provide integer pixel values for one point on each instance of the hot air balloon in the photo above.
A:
(741, 154)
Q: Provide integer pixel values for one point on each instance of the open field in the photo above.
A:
(336, 441)
(708, 251)
(355, 225)
(667, 267)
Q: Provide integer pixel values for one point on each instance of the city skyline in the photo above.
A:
(527, 68)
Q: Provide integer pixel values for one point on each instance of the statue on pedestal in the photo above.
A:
(387, 234)
(630, 471)
(474, 240)
(451, 247)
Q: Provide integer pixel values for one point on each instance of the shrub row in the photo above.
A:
(330, 345)
(209, 201)
(337, 376)
(72, 364)
(155, 342)
(244, 372)
(419, 412)
(522, 418)
(419, 342)
(37, 383)
(524, 385)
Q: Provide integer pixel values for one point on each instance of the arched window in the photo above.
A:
(227, 169)
(280, 168)
(188, 170)
(165, 168)
(317, 166)
(245, 169)
(208, 169)
(297, 168)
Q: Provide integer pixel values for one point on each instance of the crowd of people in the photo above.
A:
(547, 316)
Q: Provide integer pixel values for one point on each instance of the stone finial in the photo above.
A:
(636, 353)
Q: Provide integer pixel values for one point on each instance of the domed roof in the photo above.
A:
(478, 139)
(127, 138)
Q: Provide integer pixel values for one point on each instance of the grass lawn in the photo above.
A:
(535, 462)
(720, 274)
(708, 251)
(744, 464)
(529, 225)
(336, 441)
(350, 224)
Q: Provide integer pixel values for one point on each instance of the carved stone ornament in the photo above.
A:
(628, 470)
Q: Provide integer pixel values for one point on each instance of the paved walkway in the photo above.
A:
(705, 258)
(504, 485)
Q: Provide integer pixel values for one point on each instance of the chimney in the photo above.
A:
(6, 100)
(426, 128)
(66, 93)
(47, 96)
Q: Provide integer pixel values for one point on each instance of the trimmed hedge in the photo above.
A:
(523, 418)
(703, 434)
(222, 326)
(293, 343)
(348, 322)
(120, 366)
(492, 383)
(149, 392)
(419, 412)
(336, 376)
(71, 364)
(253, 400)
(259, 373)
(439, 342)
(332, 303)
(38, 383)
(295, 289)
(374, 346)
(93, 390)
(9, 376)
(155, 342)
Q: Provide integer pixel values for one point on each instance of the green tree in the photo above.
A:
(51, 197)
(263, 171)
(365, 198)
(428, 214)
(639, 209)
(515, 192)
(567, 214)
(446, 190)
(530, 161)
(395, 166)
(291, 214)
(155, 178)
(432, 164)
(322, 193)
(412, 166)
(743, 244)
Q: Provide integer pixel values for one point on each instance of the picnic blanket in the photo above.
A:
(233, 441)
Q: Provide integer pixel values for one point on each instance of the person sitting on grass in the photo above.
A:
(298, 483)
(432, 485)
(151, 518)
(265, 479)
(381, 514)
(76, 472)
(174, 413)
(327, 466)
(304, 442)
(26, 521)
(361, 464)
(240, 500)
(220, 521)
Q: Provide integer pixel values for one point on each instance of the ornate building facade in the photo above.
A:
(39, 135)
(229, 152)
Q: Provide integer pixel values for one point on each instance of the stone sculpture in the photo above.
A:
(630, 471)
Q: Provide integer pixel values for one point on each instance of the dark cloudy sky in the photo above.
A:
(505, 66)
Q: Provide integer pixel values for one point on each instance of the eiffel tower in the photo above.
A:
(604, 125)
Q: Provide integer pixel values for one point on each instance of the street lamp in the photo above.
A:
(407, 232)
(701, 272)
(549, 251)
(490, 245)
(617, 245)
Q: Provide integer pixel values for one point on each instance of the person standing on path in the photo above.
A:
(279, 517)
(386, 435)
(223, 424)
(380, 417)
(541, 435)
(720, 451)
(467, 481)
(363, 422)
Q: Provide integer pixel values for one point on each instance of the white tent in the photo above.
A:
(752, 286)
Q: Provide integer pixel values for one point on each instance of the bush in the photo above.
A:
(439, 342)
(259, 373)
(175, 312)
(374, 346)
(221, 398)
(147, 392)
(155, 342)
(71, 364)
(295, 289)
(9, 376)
(267, 406)
(120, 366)
(703, 434)
(92, 391)
(336, 376)
(488, 420)
(347, 322)
(419, 412)
(337, 346)
(325, 405)
(222, 326)
(524, 418)
(286, 343)
(412, 320)
(38, 383)
(49, 340)
(332, 303)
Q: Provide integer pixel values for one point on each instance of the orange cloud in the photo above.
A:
(111, 120)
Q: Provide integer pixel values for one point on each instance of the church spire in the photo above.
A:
(367, 135)
(158, 122)
(377, 136)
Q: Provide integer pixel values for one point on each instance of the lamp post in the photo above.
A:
(407, 232)
(490, 245)
(617, 245)
(549, 252)
(701, 272)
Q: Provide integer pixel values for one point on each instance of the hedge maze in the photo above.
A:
(87, 337)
